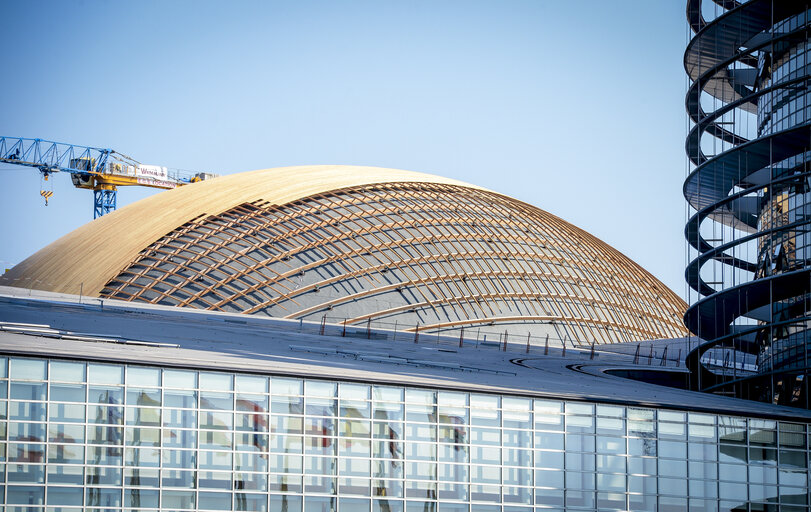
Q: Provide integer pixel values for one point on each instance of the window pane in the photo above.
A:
(105, 374)
(139, 376)
(27, 369)
(63, 371)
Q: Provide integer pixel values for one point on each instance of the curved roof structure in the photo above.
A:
(364, 246)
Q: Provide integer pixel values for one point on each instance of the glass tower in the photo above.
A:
(748, 192)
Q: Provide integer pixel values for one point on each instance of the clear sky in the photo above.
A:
(574, 106)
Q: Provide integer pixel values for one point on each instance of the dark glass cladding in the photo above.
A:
(749, 189)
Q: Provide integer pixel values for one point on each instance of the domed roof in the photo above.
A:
(361, 245)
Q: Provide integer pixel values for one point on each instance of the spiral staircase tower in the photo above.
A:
(749, 192)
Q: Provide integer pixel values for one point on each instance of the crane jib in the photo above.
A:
(98, 169)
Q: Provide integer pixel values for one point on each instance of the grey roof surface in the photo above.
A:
(106, 330)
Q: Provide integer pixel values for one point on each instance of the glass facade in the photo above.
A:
(90, 436)
(749, 194)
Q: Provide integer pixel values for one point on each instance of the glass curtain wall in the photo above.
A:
(749, 193)
(87, 436)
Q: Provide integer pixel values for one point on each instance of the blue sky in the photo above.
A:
(575, 107)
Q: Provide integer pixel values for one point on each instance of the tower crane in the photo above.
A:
(97, 169)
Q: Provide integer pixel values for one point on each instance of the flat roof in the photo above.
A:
(35, 323)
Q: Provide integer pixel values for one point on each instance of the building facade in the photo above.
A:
(748, 190)
(173, 410)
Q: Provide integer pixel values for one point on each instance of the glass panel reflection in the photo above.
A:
(177, 439)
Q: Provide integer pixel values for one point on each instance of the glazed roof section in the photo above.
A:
(69, 327)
